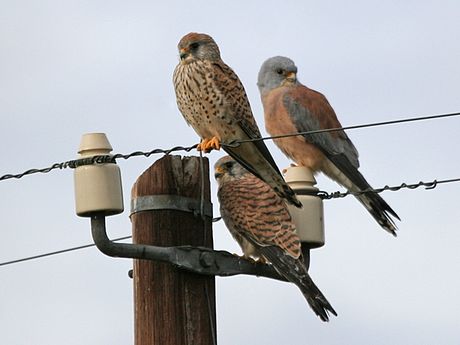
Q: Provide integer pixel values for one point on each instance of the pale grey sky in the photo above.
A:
(71, 67)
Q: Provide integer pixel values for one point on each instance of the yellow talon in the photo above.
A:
(202, 145)
(207, 145)
(213, 144)
(262, 260)
(246, 257)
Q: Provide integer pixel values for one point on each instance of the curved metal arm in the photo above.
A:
(194, 259)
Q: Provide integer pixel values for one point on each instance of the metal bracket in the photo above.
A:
(170, 202)
(193, 259)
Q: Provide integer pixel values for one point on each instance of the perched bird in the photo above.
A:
(260, 222)
(213, 101)
(290, 107)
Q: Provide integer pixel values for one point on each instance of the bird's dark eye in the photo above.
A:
(194, 45)
(229, 165)
(279, 71)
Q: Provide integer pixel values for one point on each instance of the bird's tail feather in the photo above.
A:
(316, 299)
(341, 170)
(294, 270)
(380, 210)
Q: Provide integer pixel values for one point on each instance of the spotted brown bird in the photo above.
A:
(213, 101)
(260, 222)
(290, 107)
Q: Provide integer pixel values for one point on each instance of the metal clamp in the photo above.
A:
(169, 202)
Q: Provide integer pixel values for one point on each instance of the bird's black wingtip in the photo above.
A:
(290, 196)
(296, 203)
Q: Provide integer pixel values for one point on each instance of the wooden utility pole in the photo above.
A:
(173, 307)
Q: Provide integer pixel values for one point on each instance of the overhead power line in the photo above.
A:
(322, 194)
(112, 158)
(366, 125)
(96, 160)
(427, 185)
(39, 256)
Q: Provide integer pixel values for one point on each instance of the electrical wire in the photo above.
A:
(56, 252)
(427, 185)
(366, 125)
(203, 218)
(322, 194)
(101, 159)
(6, 263)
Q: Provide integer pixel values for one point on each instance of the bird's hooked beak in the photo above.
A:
(291, 77)
(183, 53)
(218, 172)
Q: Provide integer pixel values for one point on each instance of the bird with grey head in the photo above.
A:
(292, 108)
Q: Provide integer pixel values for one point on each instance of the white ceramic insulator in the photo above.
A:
(309, 219)
(98, 187)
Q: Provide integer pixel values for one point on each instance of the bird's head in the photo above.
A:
(195, 46)
(226, 169)
(275, 72)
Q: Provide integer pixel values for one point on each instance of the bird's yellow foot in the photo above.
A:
(262, 260)
(213, 144)
(207, 145)
(246, 257)
(201, 146)
(250, 259)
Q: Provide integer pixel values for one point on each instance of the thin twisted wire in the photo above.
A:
(428, 185)
(112, 158)
(99, 159)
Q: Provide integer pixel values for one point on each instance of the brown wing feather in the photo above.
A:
(259, 215)
(229, 84)
(309, 110)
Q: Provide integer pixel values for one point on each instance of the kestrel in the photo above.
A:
(260, 222)
(291, 107)
(213, 101)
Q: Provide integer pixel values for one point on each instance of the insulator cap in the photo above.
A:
(309, 219)
(98, 187)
